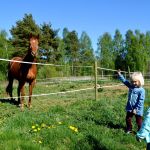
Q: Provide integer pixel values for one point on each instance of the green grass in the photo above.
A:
(99, 124)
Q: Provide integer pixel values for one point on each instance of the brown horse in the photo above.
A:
(23, 72)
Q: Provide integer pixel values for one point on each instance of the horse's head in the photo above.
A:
(34, 42)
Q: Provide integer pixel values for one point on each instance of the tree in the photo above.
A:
(5, 52)
(105, 47)
(118, 49)
(86, 52)
(72, 49)
(65, 32)
(147, 49)
(129, 60)
(136, 57)
(21, 32)
(50, 43)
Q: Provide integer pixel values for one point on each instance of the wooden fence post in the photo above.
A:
(129, 71)
(95, 68)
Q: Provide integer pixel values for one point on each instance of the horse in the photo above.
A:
(23, 72)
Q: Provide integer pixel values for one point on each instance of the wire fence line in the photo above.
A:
(64, 92)
(25, 62)
(96, 86)
(36, 63)
(110, 69)
(47, 64)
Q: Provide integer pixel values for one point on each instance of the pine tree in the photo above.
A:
(21, 32)
(49, 43)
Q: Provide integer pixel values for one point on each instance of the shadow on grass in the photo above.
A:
(111, 125)
(96, 145)
(90, 143)
(13, 101)
(115, 126)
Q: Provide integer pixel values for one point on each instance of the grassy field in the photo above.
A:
(71, 121)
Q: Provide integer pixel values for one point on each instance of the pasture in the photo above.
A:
(68, 121)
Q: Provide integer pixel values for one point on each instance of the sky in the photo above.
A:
(95, 17)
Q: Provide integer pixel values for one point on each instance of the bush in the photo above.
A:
(47, 72)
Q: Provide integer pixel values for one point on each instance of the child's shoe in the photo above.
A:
(128, 132)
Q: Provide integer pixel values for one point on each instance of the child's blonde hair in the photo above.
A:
(137, 76)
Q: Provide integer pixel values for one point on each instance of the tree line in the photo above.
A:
(71, 51)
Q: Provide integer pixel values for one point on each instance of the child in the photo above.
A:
(144, 132)
(136, 97)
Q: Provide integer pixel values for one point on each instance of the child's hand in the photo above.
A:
(134, 111)
(119, 72)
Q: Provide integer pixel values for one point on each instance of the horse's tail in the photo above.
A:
(8, 89)
(10, 80)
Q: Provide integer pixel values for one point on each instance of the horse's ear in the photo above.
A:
(30, 35)
(38, 36)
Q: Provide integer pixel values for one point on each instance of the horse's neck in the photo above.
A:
(26, 66)
(29, 58)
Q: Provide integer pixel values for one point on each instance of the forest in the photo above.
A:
(117, 51)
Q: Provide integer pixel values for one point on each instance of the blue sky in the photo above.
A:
(95, 17)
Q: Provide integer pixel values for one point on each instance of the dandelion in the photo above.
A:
(35, 130)
(38, 129)
(49, 127)
(33, 127)
(73, 128)
(43, 125)
(59, 122)
(53, 126)
(40, 142)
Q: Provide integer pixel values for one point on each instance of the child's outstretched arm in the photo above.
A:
(122, 79)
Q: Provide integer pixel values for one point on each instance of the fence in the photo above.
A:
(96, 76)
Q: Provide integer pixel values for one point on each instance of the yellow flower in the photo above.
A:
(33, 127)
(73, 128)
(40, 142)
(38, 129)
(59, 122)
(53, 126)
(35, 130)
(43, 125)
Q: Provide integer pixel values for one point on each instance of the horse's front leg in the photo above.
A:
(21, 90)
(31, 85)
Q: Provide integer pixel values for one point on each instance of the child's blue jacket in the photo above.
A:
(136, 97)
(144, 132)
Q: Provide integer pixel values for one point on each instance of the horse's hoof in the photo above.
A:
(21, 107)
(29, 106)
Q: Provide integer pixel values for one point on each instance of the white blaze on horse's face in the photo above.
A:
(34, 45)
